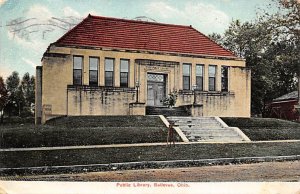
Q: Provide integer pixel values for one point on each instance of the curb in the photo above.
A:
(142, 165)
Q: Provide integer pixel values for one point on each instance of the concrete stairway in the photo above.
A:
(207, 129)
(174, 111)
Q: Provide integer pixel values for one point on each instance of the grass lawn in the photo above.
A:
(15, 159)
(260, 129)
(135, 129)
(71, 131)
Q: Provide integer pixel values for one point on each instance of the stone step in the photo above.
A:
(205, 129)
(223, 139)
(195, 122)
(210, 133)
(197, 138)
(183, 119)
(175, 111)
(219, 129)
(224, 130)
(193, 118)
(226, 134)
(214, 127)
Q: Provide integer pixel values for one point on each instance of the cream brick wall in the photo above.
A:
(99, 101)
(58, 73)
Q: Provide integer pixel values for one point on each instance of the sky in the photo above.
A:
(27, 27)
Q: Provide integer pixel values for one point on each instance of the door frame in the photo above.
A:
(165, 78)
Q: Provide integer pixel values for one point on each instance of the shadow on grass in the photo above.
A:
(76, 131)
(264, 129)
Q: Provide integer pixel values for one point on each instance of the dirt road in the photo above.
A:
(268, 171)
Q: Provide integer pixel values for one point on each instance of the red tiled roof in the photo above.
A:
(140, 35)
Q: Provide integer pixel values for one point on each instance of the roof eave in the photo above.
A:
(149, 51)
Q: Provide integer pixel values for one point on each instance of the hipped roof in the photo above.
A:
(98, 31)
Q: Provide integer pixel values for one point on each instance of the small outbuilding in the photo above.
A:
(283, 107)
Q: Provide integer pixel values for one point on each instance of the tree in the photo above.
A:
(12, 84)
(250, 41)
(21, 94)
(216, 38)
(28, 90)
(270, 45)
(3, 98)
(286, 24)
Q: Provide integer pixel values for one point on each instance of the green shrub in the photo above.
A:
(170, 101)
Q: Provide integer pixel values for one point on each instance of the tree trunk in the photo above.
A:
(1, 117)
(19, 110)
(299, 89)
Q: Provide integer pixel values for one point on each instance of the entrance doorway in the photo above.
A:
(156, 89)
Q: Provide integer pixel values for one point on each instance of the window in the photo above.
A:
(124, 66)
(224, 85)
(77, 70)
(199, 77)
(109, 72)
(186, 76)
(212, 77)
(93, 71)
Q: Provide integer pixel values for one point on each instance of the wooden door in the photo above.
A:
(156, 89)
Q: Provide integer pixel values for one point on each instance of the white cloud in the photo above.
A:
(29, 62)
(162, 9)
(34, 35)
(68, 11)
(205, 17)
(2, 2)
(40, 12)
(35, 44)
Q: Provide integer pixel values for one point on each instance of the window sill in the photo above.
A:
(207, 93)
(95, 88)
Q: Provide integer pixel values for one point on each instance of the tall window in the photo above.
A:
(224, 85)
(199, 77)
(93, 71)
(109, 72)
(124, 67)
(212, 77)
(77, 70)
(186, 76)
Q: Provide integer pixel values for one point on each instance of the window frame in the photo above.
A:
(97, 80)
(76, 69)
(224, 79)
(106, 72)
(186, 76)
(123, 72)
(198, 76)
(210, 78)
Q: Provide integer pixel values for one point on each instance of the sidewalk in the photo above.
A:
(132, 145)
